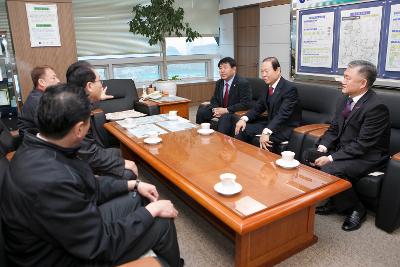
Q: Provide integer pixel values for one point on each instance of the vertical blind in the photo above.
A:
(102, 27)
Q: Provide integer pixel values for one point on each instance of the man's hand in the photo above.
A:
(240, 125)
(162, 208)
(321, 161)
(265, 143)
(218, 112)
(104, 95)
(130, 165)
(149, 191)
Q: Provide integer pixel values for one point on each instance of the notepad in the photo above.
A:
(248, 206)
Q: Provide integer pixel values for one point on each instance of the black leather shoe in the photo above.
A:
(181, 262)
(326, 209)
(354, 220)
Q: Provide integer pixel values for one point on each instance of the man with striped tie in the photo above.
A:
(283, 108)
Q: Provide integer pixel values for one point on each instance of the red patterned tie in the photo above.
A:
(226, 95)
(270, 90)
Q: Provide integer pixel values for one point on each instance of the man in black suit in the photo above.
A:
(356, 143)
(56, 212)
(42, 77)
(232, 93)
(282, 104)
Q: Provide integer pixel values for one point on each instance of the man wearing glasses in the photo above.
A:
(103, 161)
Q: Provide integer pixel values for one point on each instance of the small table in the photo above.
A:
(193, 163)
(182, 106)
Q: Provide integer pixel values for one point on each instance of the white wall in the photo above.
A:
(226, 42)
(275, 35)
(274, 32)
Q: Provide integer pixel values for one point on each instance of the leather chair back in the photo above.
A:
(318, 101)
(391, 98)
(124, 92)
(257, 86)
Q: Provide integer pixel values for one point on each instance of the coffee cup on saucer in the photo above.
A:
(287, 156)
(152, 134)
(205, 126)
(173, 115)
(228, 179)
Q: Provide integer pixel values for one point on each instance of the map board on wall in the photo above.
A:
(330, 37)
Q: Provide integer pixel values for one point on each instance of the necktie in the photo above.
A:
(226, 95)
(347, 108)
(270, 90)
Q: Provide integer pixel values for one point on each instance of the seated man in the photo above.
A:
(56, 212)
(282, 105)
(103, 161)
(232, 93)
(42, 77)
(356, 143)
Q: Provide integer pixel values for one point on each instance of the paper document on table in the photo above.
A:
(143, 130)
(177, 125)
(248, 206)
(131, 123)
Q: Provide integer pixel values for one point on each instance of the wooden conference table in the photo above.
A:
(193, 163)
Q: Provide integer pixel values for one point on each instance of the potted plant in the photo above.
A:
(160, 20)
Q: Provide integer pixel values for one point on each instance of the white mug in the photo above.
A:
(227, 179)
(173, 113)
(205, 125)
(287, 155)
(152, 134)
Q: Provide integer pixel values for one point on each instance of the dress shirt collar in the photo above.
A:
(229, 82)
(276, 83)
(356, 98)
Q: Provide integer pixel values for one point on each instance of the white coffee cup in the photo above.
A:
(287, 155)
(205, 125)
(227, 179)
(173, 113)
(152, 134)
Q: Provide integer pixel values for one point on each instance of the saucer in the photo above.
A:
(205, 131)
(152, 140)
(227, 190)
(287, 164)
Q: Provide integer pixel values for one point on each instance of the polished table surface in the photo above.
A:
(194, 162)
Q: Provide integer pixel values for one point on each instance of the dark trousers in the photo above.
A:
(226, 123)
(204, 114)
(160, 236)
(351, 170)
(248, 135)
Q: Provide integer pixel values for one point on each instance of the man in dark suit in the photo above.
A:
(356, 143)
(56, 212)
(42, 77)
(282, 104)
(232, 93)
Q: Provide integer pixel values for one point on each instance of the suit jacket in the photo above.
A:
(27, 117)
(364, 135)
(50, 207)
(283, 108)
(104, 161)
(239, 95)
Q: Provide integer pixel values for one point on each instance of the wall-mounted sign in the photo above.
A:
(43, 25)
(305, 4)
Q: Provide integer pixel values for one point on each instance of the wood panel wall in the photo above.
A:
(28, 57)
(197, 92)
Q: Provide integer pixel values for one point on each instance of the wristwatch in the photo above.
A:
(135, 188)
